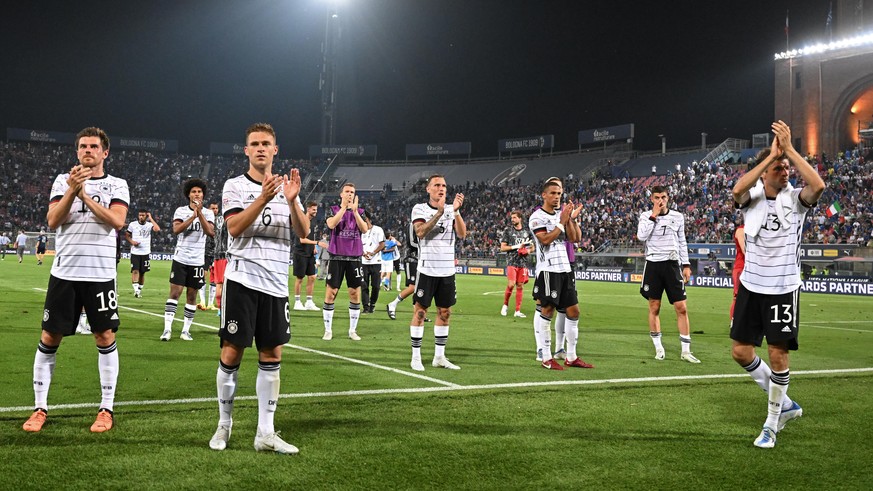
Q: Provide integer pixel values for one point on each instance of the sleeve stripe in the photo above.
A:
(538, 230)
(419, 220)
(231, 212)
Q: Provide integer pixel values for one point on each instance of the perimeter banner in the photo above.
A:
(345, 150)
(611, 133)
(149, 144)
(526, 143)
(41, 136)
(222, 148)
(430, 149)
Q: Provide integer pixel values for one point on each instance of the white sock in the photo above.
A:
(135, 287)
(536, 326)
(354, 315)
(296, 298)
(545, 335)
(190, 310)
(560, 321)
(267, 388)
(778, 389)
(225, 380)
(43, 368)
(308, 298)
(415, 335)
(440, 337)
(685, 341)
(170, 313)
(572, 338)
(211, 293)
(760, 373)
(327, 316)
(398, 280)
(107, 363)
(83, 319)
(656, 340)
(201, 294)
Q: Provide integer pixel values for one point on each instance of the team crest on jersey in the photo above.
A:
(105, 188)
(329, 276)
(232, 327)
(554, 294)
(645, 288)
(419, 293)
(172, 275)
(536, 289)
(45, 315)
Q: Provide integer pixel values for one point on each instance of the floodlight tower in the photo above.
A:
(328, 81)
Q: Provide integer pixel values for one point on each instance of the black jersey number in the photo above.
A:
(85, 209)
(266, 217)
(774, 220)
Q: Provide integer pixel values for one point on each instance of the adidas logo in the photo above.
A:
(251, 197)
(114, 317)
(786, 329)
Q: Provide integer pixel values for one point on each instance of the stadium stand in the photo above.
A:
(492, 188)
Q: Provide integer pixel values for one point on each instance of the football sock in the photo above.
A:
(685, 341)
(267, 388)
(545, 335)
(43, 367)
(760, 373)
(170, 313)
(536, 326)
(190, 310)
(83, 319)
(296, 298)
(398, 280)
(211, 294)
(107, 363)
(572, 329)
(308, 298)
(656, 340)
(327, 316)
(201, 295)
(778, 389)
(440, 337)
(225, 380)
(506, 294)
(135, 287)
(415, 335)
(354, 315)
(560, 329)
(519, 292)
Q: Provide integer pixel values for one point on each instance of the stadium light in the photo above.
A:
(854, 42)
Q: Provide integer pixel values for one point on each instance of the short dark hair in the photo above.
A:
(310, 204)
(94, 131)
(659, 189)
(432, 177)
(262, 127)
(194, 183)
(142, 210)
(551, 183)
(516, 212)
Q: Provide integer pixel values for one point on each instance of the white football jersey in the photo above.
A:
(141, 233)
(552, 257)
(191, 242)
(773, 256)
(371, 239)
(85, 247)
(258, 257)
(664, 237)
(436, 249)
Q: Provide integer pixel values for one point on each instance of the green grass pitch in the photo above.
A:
(364, 420)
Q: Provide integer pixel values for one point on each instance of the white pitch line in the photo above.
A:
(836, 328)
(456, 388)
(311, 350)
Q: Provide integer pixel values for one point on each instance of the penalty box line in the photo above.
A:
(456, 388)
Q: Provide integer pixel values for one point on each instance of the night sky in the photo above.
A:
(413, 71)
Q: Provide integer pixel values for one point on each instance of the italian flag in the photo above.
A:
(834, 209)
